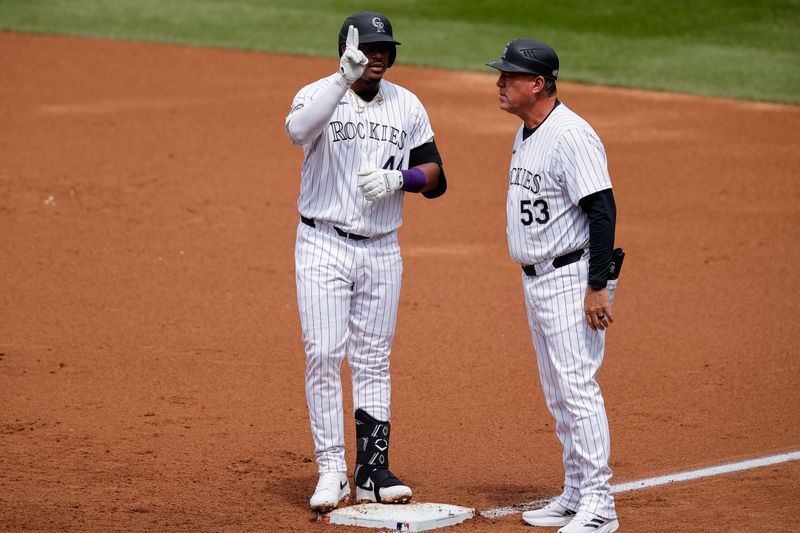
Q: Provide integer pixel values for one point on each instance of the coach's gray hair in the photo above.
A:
(549, 87)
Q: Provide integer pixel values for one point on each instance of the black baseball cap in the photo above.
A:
(530, 57)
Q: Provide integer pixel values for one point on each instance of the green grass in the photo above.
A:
(732, 48)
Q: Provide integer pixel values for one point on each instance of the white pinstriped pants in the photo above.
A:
(347, 293)
(569, 354)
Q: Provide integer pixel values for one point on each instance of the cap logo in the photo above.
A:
(505, 52)
(378, 23)
(555, 73)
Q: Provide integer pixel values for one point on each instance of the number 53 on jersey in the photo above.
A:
(534, 210)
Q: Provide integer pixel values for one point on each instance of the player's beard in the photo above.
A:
(369, 81)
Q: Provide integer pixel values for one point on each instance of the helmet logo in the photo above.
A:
(378, 23)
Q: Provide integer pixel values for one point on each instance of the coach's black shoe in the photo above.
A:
(374, 482)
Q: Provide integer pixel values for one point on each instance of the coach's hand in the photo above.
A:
(597, 308)
(353, 61)
(377, 183)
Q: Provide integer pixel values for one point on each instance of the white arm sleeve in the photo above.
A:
(310, 113)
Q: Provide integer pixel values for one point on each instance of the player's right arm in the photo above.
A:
(309, 115)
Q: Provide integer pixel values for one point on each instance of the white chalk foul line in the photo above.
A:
(655, 481)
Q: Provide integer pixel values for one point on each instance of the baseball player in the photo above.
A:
(560, 227)
(366, 143)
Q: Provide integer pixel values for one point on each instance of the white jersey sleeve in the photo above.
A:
(421, 132)
(580, 158)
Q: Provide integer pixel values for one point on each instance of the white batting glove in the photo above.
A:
(353, 61)
(377, 183)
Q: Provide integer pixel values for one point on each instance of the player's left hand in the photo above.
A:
(379, 182)
(597, 309)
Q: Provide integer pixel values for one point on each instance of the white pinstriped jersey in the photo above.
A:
(359, 135)
(561, 162)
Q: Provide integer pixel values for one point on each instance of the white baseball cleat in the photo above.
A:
(551, 515)
(586, 522)
(332, 489)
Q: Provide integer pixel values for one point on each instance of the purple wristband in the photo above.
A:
(414, 179)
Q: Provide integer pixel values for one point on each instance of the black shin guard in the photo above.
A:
(372, 454)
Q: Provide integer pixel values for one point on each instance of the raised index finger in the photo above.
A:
(352, 37)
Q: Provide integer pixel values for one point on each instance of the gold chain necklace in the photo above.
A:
(359, 102)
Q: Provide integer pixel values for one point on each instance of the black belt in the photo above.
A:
(310, 222)
(558, 262)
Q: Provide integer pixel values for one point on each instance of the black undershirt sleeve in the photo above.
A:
(602, 213)
(428, 153)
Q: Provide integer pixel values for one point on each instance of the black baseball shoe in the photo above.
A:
(374, 482)
(380, 486)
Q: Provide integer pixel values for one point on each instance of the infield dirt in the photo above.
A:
(151, 369)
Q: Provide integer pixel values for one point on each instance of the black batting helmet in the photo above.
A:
(372, 28)
(529, 57)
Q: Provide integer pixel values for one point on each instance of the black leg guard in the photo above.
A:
(372, 455)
